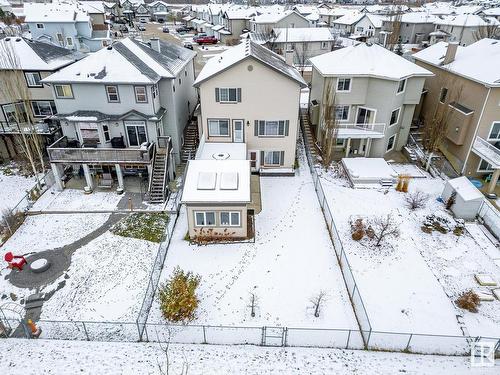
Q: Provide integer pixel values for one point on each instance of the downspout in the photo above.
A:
(477, 129)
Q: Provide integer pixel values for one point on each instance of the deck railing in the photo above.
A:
(487, 151)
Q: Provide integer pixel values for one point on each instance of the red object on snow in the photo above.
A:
(15, 261)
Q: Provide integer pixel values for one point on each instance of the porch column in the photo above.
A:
(88, 176)
(368, 146)
(57, 171)
(119, 176)
(348, 147)
(150, 169)
(171, 170)
(493, 182)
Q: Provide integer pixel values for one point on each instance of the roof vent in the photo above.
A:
(7, 39)
(18, 39)
(110, 47)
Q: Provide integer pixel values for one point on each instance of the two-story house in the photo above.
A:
(26, 103)
(412, 28)
(65, 24)
(464, 29)
(120, 104)
(374, 93)
(158, 10)
(467, 85)
(265, 22)
(249, 95)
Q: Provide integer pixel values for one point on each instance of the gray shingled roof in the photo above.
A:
(48, 52)
(172, 57)
(135, 61)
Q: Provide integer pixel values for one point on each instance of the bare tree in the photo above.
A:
(301, 55)
(394, 37)
(271, 36)
(165, 369)
(383, 227)
(491, 31)
(416, 199)
(318, 301)
(329, 124)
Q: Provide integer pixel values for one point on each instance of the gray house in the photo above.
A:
(414, 27)
(123, 109)
(375, 93)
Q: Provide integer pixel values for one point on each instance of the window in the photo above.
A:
(89, 133)
(484, 166)
(344, 84)
(227, 95)
(443, 94)
(272, 157)
(60, 38)
(230, 219)
(43, 108)
(112, 93)
(180, 82)
(154, 91)
(391, 143)
(272, 128)
(140, 94)
(494, 132)
(136, 132)
(218, 128)
(365, 116)
(342, 112)
(105, 131)
(401, 86)
(15, 113)
(69, 41)
(204, 219)
(39, 26)
(394, 117)
(324, 45)
(33, 79)
(63, 91)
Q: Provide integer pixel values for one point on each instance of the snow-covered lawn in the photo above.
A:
(105, 282)
(72, 357)
(13, 188)
(76, 200)
(409, 284)
(291, 261)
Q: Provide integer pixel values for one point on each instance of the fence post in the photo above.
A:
(285, 336)
(368, 340)
(138, 330)
(348, 339)
(409, 340)
(85, 330)
(204, 336)
(263, 341)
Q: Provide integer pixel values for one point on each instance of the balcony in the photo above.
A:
(41, 128)
(66, 150)
(360, 131)
(487, 151)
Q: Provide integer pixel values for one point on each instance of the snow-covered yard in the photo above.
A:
(13, 186)
(409, 284)
(76, 200)
(291, 261)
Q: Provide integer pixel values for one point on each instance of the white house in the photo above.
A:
(250, 95)
(464, 29)
(267, 21)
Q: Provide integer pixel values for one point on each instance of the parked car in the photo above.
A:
(206, 40)
(165, 29)
(200, 35)
(141, 28)
(188, 45)
(143, 20)
(183, 29)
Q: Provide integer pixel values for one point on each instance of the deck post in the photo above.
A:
(119, 176)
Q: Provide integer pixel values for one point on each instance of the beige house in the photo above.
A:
(250, 95)
(375, 94)
(468, 83)
(216, 194)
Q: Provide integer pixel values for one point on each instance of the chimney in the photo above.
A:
(451, 51)
(155, 44)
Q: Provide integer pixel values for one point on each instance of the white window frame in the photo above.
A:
(343, 111)
(108, 94)
(230, 214)
(324, 45)
(343, 79)
(484, 170)
(30, 79)
(60, 38)
(64, 96)
(266, 153)
(154, 91)
(69, 41)
(106, 133)
(387, 149)
(137, 94)
(368, 109)
(218, 133)
(136, 124)
(204, 213)
(491, 130)
(397, 118)
(268, 123)
(399, 85)
(228, 90)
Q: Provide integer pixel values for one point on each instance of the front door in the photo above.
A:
(254, 161)
(238, 131)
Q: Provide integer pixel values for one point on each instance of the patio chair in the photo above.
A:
(106, 181)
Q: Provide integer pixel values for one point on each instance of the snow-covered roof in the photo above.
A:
(363, 172)
(417, 17)
(223, 151)
(492, 12)
(273, 17)
(25, 54)
(376, 20)
(57, 11)
(127, 61)
(479, 61)
(465, 189)
(217, 181)
(240, 13)
(302, 34)
(247, 49)
(367, 60)
(466, 20)
(93, 6)
(349, 18)
(384, 9)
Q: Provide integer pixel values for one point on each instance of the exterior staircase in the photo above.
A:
(157, 190)
(190, 145)
(309, 138)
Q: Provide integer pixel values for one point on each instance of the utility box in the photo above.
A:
(468, 199)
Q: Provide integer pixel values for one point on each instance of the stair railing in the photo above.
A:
(150, 184)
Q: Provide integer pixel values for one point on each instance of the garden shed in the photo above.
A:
(468, 199)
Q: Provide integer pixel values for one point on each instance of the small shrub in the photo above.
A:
(10, 222)
(186, 237)
(451, 200)
(357, 230)
(426, 229)
(178, 300)
(416, 200)
(205, 236)
(468, 301)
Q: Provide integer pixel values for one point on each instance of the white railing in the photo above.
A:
(486, 151)
(374, 129)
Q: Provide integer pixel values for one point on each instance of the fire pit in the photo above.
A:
(40, 265)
